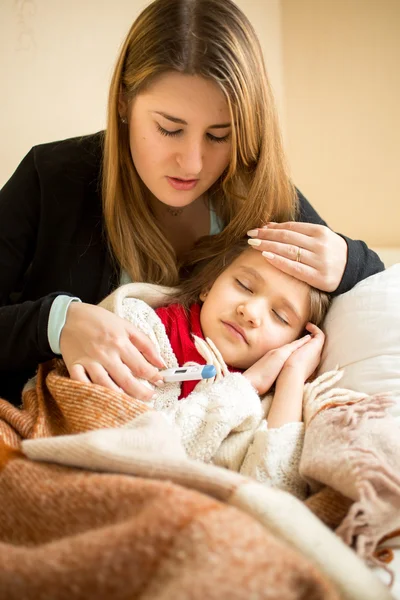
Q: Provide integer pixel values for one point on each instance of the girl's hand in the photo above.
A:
(99, 347)
(313, 253)
(305, 360)
(263, 374)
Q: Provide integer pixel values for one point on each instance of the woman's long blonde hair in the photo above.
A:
(213, 39)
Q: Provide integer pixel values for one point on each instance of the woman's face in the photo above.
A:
(180, 137)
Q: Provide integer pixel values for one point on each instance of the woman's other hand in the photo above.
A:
(99, 347)
(313, 253)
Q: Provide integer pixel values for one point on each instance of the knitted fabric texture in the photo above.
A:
(69, 534)
(361, 459)
(74, 534)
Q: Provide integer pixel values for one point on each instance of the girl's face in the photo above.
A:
(179, 132)
(253, 308)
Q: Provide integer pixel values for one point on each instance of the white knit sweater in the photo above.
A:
(223, 421)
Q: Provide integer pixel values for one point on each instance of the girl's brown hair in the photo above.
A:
(206, 274)
(212, 39)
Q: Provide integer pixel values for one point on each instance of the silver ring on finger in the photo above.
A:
(298, 254)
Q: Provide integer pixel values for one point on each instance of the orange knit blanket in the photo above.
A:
(173, 529)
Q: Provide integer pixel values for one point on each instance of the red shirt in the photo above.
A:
(180, 326)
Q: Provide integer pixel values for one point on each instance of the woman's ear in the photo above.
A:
(203, 295)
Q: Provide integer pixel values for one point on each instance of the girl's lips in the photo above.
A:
(182, 184)
(235, 331)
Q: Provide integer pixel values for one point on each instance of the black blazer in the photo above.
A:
(52, 241)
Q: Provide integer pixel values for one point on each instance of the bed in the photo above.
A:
(363, 338)
(389, 256)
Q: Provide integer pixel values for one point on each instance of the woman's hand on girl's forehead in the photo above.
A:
(309, 252)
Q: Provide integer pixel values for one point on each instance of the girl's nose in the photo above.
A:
(251, 313)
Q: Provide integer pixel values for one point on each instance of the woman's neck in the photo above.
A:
(184, 227)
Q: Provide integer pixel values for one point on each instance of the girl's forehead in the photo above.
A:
(253, 261)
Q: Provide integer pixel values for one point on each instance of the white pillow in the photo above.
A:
(363, 336)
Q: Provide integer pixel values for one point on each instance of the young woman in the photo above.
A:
(190, 160)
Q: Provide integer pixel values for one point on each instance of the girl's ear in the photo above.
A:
(203, 295)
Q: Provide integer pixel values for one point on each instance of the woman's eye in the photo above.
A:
(218, 140)
(210, 137)
(281, 319)
(243, 286)
(168, 133)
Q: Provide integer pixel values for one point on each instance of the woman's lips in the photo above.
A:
(182, 184)
(236, 331)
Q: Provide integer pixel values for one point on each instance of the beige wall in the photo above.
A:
(333, 65)
(265, 15)
(342, 97)
(56, 60)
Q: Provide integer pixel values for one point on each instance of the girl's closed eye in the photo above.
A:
(280, 318)
(243, 286)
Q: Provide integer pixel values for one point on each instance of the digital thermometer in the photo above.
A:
(192, 373)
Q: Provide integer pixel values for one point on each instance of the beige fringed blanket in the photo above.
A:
(139, 519)
(352, 445)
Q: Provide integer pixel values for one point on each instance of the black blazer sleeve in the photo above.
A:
(51, 242)
(23, 326)
(361, 261)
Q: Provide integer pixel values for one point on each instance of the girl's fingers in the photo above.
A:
(314, 329)
(293, 346)
(287, 350)
(301, 341)
(318, 335)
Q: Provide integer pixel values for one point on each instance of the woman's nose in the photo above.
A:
(190, 159)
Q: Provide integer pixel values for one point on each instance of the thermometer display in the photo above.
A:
(191, 373)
